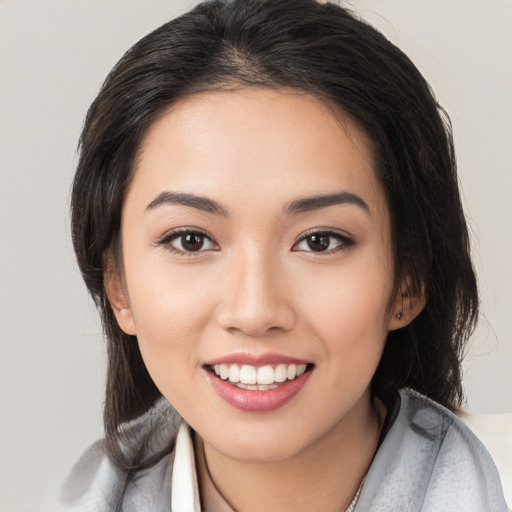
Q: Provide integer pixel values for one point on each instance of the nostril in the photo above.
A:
(254, 332)
(254, 304)
(254, 324)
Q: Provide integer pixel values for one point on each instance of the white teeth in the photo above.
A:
(224, 371)
(234, 373)
(280, 373)
(265, 375)
(265, 387)
(262, 378)
(291, 371)
(248, 374)
(256, 387)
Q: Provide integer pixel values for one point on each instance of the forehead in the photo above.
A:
(257, 142)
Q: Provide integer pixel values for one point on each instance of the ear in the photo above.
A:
(408, 304)
(115, 289)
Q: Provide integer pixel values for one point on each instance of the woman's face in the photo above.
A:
(256, 245)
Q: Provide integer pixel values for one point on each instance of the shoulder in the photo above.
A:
(430, 460)
(95, 483)
(463, 474)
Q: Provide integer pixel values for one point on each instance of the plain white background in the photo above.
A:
(53, 57)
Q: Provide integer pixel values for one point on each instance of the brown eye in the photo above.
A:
(318, 242)
(186, 242)
(192, 241)
(323, 241)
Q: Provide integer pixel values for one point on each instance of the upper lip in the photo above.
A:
(255, 359)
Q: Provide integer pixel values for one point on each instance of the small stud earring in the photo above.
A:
(399, 316)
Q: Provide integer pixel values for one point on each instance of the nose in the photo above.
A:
(256, 298)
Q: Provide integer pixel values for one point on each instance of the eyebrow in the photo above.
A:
(295, 207)
(317, 202)
(194, 201)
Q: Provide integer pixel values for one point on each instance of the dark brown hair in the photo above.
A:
(326, 51)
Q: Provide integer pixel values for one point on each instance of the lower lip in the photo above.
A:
(258, 401)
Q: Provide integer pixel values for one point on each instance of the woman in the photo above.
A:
(266, 213)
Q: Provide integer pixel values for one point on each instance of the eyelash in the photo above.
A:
(168, 238)
(344, 244)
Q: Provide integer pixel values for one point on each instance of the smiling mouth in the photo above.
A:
(258, 378)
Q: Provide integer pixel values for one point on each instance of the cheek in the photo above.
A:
(170, 310)
(161, 295)
(349, 310)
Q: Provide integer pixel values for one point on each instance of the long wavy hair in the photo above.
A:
(327, 51)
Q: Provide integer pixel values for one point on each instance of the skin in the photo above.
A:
(257, 287)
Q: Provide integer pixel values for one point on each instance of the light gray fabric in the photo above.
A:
(429, 461)
(95, 483)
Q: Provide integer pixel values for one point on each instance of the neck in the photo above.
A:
(331, 469)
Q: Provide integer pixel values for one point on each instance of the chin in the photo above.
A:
(262, 451)
(259, 443)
